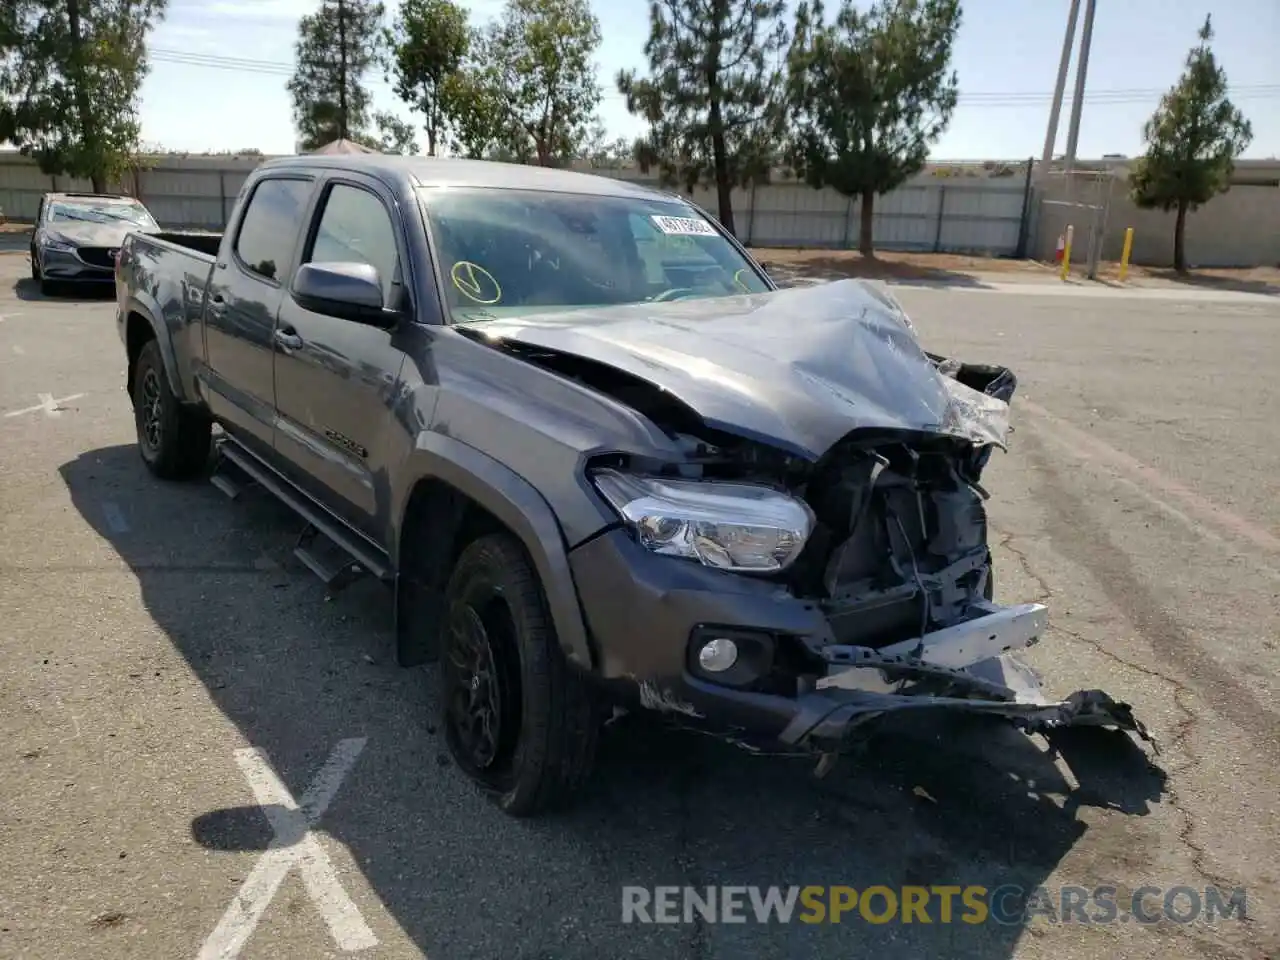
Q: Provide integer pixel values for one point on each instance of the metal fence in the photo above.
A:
(979, 216)
(954, 215)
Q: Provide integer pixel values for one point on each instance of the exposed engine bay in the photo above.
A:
(900, 545)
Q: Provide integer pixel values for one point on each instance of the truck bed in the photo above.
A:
(205, 243)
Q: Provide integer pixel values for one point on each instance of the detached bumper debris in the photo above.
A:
(970, 668)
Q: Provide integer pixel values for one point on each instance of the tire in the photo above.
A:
(35, 265)
(499, 648)
(174, 440)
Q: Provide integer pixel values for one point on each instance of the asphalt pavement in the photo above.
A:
(174, 686)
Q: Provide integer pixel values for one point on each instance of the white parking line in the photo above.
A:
(50, 406)
(293, 845)
(115, 517)
(8, 316)
(18, 350)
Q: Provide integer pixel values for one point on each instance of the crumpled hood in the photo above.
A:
(92, 234)
(799, 368)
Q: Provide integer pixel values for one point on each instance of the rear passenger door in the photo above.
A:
(241, 303)
(336, 379)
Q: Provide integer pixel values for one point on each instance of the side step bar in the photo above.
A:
(334, 573)
(320, 532)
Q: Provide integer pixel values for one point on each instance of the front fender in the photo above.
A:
(140, 302)
(519, 506)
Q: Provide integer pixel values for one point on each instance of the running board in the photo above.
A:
(231, 480)
(321, 532)
(335, 572)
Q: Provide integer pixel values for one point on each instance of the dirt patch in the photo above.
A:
(943, 268)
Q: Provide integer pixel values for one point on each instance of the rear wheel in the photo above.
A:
(518, 719)
(173, 440)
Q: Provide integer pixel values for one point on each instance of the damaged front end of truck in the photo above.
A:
(872, 451)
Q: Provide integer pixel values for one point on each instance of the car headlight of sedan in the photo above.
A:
(737, 527)
(57, 246)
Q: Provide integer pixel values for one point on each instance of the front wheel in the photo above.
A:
(518, 719)
(174, 441)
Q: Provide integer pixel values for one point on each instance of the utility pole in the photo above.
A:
(1082, 69)
(1055, 111)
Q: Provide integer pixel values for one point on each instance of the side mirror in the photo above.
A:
(351, 291)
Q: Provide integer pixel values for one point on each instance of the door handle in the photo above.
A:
(288, 339)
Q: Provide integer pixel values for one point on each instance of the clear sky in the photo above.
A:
(1006, 57)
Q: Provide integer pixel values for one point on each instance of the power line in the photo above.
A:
(983, 98)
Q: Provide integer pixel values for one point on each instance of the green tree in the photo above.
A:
(429, 43)
(336, 47)
(601, 152)
(532, 86)
(713, 95)
(871, 93)
(1192, 141)
(394, 135)
(481, 127)
(70, 71)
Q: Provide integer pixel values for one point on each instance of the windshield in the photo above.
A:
(509, 252)
(134, 213)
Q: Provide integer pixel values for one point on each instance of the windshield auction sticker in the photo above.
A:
(684, 226)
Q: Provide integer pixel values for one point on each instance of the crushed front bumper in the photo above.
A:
(970, 667)
(644, 612)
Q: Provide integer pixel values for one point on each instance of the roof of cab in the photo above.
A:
(449, 171)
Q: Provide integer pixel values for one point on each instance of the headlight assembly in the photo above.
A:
(57, 246)
(738, 527)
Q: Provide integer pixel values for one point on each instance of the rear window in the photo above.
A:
(505, 252)
(269, 229)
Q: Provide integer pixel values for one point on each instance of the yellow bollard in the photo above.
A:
(1124, 254)
(1066, 254)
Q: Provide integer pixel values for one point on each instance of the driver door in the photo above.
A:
(336, 379)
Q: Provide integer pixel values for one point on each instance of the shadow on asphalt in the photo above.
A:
(29, 290)
(1209, 282)
(968, 801)
(11, 239)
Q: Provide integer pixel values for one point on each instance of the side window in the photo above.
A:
(355, 226)
(269, 228)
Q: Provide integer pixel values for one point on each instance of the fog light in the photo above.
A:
(718, 655)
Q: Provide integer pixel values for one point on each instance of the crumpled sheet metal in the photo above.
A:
(801, 367)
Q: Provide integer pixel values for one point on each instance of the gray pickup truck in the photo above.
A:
(604, 463)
